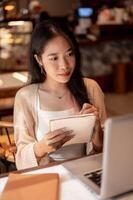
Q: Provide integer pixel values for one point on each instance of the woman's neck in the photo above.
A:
(53, 87)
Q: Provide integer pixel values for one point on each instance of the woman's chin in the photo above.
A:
(63, 79)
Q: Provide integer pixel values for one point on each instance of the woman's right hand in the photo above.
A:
(52, 141)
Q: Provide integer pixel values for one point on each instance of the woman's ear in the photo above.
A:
(38, 60)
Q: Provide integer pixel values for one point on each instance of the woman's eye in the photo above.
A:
(53, 58)
(70, 54)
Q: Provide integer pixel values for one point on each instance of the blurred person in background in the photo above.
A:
(37, 12)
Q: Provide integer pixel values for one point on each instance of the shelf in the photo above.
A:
(14, 39)
(110, 33)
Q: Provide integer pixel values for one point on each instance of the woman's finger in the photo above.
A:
(84, 107)
(59, 137)
(63, 141)
(57, 132)
(96, 113)
(91, 109)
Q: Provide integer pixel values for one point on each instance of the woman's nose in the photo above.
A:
(64, 64)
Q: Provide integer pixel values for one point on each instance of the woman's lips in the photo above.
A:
(65, 74)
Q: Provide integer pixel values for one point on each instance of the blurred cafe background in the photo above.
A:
(104, 31)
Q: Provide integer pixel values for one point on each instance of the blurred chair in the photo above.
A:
(7, 146)
(6, 107)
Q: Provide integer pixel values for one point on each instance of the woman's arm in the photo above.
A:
(97, 106)
(24, 131)
(97, 137)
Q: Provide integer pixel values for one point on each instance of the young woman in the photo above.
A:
(56, 90)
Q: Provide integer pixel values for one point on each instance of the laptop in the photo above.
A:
(111, 173)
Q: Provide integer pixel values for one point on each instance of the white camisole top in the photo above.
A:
(44, 117)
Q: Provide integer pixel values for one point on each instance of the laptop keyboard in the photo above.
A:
(95, 176)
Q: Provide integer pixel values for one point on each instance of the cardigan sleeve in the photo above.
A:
(24, 131)
(96, 98)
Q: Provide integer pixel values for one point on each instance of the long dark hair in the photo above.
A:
(42, 34)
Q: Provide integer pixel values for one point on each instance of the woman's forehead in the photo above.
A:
(57, 44)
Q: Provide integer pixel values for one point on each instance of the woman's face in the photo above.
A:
(58, 60)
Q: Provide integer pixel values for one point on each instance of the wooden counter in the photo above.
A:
(10, 83)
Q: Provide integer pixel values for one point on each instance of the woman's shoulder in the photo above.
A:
(93, 88)
(28, 90)
(90, 83)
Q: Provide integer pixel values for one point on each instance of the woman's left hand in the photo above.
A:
(97, 138)
(88, 108)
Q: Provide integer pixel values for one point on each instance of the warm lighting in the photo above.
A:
(9, 7)
(1, 82)
(16, 23)
(20, 77)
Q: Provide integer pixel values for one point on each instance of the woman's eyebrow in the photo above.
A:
(52, 54)
(70, 49)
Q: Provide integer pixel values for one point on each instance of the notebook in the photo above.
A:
(115, 164)
(82, 126)
(34, 186)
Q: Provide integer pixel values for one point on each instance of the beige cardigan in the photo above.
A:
(25, 121)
